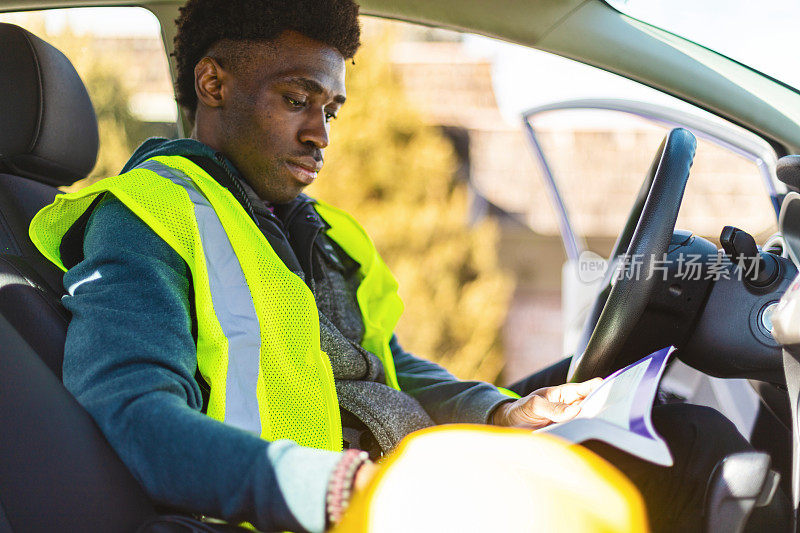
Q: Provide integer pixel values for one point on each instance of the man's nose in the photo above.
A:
(315, 132)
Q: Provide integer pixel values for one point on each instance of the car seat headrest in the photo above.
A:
(48, 128)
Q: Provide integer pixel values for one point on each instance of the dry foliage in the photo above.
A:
(396, 175)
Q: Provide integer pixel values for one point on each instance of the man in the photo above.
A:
(230, 333)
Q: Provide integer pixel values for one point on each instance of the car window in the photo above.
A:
(430, 155)
(475, 89)
(119, 54)
(599, 159)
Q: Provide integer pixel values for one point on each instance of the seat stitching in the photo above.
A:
(40, 107)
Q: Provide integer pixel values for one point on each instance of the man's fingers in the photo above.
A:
(554, 411)
(551, 404)
(588, 387)
(572, 392)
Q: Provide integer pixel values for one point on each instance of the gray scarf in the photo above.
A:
(387, 414)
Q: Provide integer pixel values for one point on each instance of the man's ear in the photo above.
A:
(210, 82)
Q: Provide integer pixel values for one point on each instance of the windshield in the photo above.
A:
(761, 35)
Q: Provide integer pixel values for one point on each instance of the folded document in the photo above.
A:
(618, 412)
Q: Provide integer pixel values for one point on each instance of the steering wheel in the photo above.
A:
(643, 241)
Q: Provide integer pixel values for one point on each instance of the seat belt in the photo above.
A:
(785, 320)
(791, 367)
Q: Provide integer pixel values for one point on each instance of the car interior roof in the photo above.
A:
(589, 31)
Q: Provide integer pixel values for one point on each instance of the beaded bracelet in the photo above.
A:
(340, 486)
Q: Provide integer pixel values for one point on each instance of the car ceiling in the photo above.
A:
(588, 31)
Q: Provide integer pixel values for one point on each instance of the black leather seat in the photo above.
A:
(57, 472)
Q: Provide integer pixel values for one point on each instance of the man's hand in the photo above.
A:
(364, 475)
(545, 406)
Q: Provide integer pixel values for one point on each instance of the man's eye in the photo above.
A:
(330, 116)
(294, 102)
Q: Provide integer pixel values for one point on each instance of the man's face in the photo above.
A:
(276, 118)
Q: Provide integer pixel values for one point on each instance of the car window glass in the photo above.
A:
(474, 90)
(119, 54)
(602, 156)
(599, 159)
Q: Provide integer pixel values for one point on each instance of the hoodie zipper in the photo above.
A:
(235, 187)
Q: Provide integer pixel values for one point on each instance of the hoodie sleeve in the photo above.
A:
(446, 399)
(130, 359)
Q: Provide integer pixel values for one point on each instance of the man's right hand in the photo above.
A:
(545, 406)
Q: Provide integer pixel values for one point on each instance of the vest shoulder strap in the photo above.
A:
(138, 189)
(71, 248)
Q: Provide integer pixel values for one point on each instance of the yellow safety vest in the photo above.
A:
(258, 344)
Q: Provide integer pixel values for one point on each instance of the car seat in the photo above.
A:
(57, 472)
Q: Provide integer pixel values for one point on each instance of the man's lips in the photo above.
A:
(304, 171)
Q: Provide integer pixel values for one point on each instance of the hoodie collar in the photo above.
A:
(159, 146)
(156, 146)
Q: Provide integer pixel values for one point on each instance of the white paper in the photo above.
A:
(618, 412)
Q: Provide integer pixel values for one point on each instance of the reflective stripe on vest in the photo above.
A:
(232, 304)
(276, 382)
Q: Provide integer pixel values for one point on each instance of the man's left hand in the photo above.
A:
(545, 406)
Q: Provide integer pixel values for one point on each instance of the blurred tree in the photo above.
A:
(114, 119)
(110, 97)
(396, 175)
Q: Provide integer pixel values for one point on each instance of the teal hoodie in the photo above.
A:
(130, 359)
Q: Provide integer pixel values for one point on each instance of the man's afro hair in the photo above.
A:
(202, 23)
